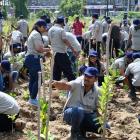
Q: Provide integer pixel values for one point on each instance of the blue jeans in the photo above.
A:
(80, 120)
(32, 62)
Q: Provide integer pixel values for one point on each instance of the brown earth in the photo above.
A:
(122, 116)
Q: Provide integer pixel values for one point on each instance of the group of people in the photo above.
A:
(67, 42)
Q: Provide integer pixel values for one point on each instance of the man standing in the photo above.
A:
(58, 41)
(81, 107)
(23, 27)
(97, 31)
(77, 28)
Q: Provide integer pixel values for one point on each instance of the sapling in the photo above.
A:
(105, 96)
(12, 117)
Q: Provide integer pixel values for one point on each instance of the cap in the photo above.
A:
(41, 22)
(129, 54)
(60, 20)
(91, 71)
(82, 68)
(136, 21)
(93, 53)
(5, 64)
(95, 15)
(136, 55)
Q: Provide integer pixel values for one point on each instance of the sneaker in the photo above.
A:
(33, 102)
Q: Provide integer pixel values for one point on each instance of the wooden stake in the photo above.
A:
(39, 86)
(50, 92)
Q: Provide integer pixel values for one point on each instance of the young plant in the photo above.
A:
(43, 115)
(105, 96)
(25, 95)
(12, 117)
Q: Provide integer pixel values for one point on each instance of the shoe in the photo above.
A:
(77, 136)
(33, 102)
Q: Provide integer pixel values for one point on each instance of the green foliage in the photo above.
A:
(44, 12)
(25, 95)
(43, 115)
(12, 117)
(13, 94)
(20, 7)
(105, 96)
(71, 7)
(134, 14)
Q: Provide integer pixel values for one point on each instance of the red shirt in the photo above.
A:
(77, 27)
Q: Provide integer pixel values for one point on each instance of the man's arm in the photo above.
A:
(61, 85)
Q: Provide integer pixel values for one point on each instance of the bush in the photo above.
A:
(134, 14)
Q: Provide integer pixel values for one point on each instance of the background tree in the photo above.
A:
(20, 7)
(71, 7)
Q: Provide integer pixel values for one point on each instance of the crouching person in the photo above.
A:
(132, 75)
(81, 108)
(8, 108)
(7, 77)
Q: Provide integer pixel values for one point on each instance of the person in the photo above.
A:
(23, 27)
(122, 63)
(125, 26)
(35, 51)
(105, 24)
(67, 26)
(97, 31)
(7, 77)
(76, 45)
(77, 28)
(93, 61)
(9, 107)
(16, 40)
(134, 35)
(81, 109)
(132, 75)
(59, 44)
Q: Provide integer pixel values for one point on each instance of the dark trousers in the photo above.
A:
(6, 123)
(79, 38)
(132, 88)
(62, 64)
(32, 63)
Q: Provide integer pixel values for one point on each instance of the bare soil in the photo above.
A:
(122, 116)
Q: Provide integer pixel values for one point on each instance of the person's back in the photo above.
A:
(55, 35)
(16, 37)
(8, 104)
(23, 27)
(135, 38)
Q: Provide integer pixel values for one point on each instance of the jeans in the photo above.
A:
(80, 120)
(32, 62)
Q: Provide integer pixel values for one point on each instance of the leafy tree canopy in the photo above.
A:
(71, 7)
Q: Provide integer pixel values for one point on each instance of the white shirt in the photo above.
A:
(73, 41)
(77, 98)
(97, 30)
(8, 105)
(56, 35)
(134, 69)
(16, 37)
(23, 25)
